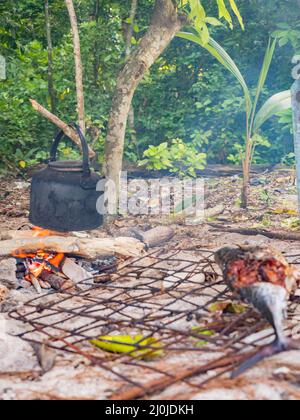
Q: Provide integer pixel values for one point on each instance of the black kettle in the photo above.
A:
(64, 195)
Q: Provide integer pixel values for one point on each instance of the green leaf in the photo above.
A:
(215, 49)
(224, 58)
(223, 12)
(277, 103)
(136, 28)
(227, 308)
(136, 346)
(202, 332)
(237, 13)
(205, 34)
(213, 21)
(262, 78)
(197, 15)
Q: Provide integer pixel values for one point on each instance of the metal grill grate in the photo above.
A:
(165, 295)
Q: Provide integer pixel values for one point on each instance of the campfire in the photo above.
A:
(42, 269)
(49, 260)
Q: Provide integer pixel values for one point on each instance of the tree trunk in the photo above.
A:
(78, 65)
(166, 22)
(51, 89)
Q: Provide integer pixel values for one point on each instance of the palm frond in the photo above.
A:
(263, 76)
(277, 103)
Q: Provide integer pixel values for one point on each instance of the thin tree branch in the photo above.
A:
(129, 32)
(51, 89)
(69, 132)
(78, 65)
(128, 40)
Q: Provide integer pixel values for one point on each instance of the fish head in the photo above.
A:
(224, 255)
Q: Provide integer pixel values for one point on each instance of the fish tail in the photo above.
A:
(277, 347)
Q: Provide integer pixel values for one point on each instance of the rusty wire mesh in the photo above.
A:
(166, 295)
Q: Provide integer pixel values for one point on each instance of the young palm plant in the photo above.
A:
(255, 117)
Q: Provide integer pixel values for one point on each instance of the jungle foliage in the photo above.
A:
(187, 101)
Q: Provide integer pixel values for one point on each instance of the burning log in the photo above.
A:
(81, 247)
(58, 283)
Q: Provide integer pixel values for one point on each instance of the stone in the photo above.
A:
(16, 300)
(74, 272)
(45, 356)
(15, 354)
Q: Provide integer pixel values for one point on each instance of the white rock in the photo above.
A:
(8, 268)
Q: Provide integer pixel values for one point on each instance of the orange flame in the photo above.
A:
(42, 233)
(41, 260)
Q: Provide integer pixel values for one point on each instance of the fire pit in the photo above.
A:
(50, 260)
(46, 270)
(172, 297)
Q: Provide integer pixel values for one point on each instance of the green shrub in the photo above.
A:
(178, 157)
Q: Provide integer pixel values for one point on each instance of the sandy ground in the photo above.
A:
(273, 206)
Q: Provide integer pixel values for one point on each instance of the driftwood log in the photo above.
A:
(82, 247)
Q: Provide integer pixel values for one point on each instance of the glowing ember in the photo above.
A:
(42, 261)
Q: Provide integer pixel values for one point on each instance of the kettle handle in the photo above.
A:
(84, 144)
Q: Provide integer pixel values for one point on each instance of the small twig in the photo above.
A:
(283, 236)
(36, 284)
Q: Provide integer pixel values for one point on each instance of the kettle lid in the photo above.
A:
(67, 166)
